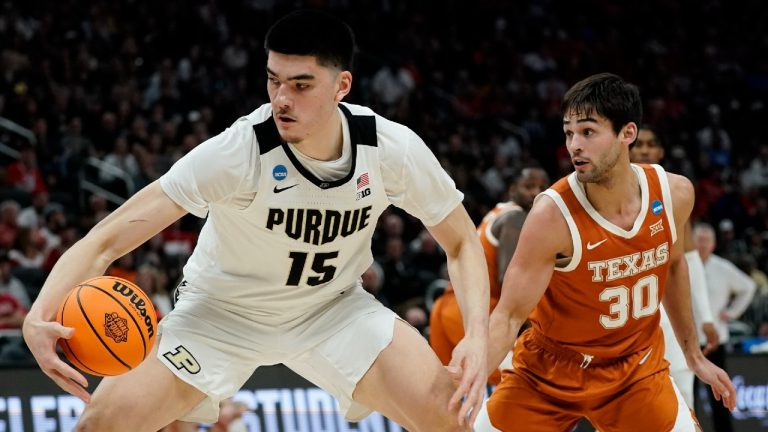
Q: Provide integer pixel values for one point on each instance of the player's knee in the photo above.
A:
(447, 421)
(95, 420)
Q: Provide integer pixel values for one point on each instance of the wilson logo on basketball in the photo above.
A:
(116, 327)
(138, 302)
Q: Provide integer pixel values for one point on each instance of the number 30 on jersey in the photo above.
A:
(642, 299)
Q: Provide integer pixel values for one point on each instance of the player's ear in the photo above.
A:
(628, 133)
(344, 83)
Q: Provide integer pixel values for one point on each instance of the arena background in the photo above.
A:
(99, 98)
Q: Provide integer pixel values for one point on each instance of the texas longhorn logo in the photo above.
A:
(116, 327)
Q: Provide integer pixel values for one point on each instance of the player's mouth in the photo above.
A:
(286, 119)
(580, 164)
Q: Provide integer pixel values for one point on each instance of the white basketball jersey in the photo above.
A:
(279, 242)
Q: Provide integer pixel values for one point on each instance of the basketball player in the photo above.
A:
(591, 267)
(648, 149)
(291, 193)
(498, 232)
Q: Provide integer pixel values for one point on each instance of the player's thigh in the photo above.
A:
(408, 383)
(146, 398)
(653, 403)
(515, 405)
(446, 328)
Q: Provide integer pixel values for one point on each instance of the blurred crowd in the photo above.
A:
(114, 92)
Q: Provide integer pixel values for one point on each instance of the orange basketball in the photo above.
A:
(115, 326)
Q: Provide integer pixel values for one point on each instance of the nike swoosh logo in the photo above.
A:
(591, 246)
(645, 357)
(278, 190)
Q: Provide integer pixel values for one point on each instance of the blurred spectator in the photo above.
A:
(9, 284)
(372, 280)
(28, 251)
(154, 283)
(32, 216)
(756, 176)
(24, 175)
(177, 241)
(9, 225)
(426, 258)
(96, 211)
(392, 85)
(730, 292)
(123, 161)
(728, 246)
(68, 235)
(124, 267)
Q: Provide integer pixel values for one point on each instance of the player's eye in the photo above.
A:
(302, 86)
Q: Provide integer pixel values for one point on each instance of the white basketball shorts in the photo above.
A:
(216, 351)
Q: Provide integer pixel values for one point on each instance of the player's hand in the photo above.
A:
(468, 369)
(41, 337)
(713, 339)
(722, 387)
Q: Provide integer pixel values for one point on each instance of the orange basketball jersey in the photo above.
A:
(605, 301)
(446, 327)
(491, 243)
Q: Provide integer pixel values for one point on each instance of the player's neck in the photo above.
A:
(326, 143)
(617, 198)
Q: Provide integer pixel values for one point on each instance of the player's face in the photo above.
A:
(647, 148)
(304, 95)
(532, 182)
(594, 147)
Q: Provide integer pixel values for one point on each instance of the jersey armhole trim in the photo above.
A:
(575, 236)
(666, 195)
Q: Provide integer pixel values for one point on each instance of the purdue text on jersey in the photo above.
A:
(317, 227)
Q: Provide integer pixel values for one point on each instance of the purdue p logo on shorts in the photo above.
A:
(183, 359)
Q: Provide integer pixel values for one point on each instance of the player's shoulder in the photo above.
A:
(257, 116)
(390, 134)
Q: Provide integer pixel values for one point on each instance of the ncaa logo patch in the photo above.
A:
(280, 172)
(657, 207)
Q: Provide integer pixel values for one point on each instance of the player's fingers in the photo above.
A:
(478, 392)
(471, 398)
(66, 371)
(465, 385)
(729, 394)
(70, 386)
(64, 332)
(455, 374)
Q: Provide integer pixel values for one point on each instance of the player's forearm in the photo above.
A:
(503, 329)
(82, 261)
(469, 275)
(677, 302)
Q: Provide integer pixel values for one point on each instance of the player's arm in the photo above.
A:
(136, 221)
(544, 235)
(677, 299)
(469, 275)
(509, 225)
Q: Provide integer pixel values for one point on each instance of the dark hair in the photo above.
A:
(313, 33)
(608, 96)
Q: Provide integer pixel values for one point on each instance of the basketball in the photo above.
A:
(115, 326)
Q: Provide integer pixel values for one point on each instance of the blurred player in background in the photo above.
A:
(498, 232)
(648, 149)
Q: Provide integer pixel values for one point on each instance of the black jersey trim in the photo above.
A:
(362, 131)
(267, 135)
